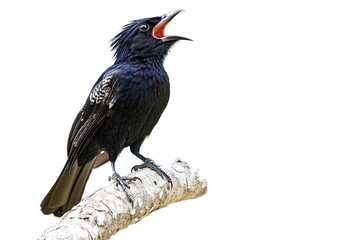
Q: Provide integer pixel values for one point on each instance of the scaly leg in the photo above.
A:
(122, 181)
(149, 163)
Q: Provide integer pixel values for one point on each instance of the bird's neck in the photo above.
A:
(147, 66)
(148, 60)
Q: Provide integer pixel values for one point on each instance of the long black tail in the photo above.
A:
(67, 190)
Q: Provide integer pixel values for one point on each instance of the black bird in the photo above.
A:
(123, 107)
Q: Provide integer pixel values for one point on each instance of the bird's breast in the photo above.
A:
(149, 88)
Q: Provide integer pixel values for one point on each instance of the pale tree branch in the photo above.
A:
(108, 210)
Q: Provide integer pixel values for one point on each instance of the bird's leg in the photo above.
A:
(116, 176)
(149, 163)
(122, 181)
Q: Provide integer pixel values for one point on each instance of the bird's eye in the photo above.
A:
(144, 27)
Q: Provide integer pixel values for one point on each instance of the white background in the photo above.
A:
(265, 103)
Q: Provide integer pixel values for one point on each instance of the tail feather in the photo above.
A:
(67, 190)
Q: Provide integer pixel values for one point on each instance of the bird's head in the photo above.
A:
(144, 38)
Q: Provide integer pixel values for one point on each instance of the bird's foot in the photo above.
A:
(149, 163)
(122, 181)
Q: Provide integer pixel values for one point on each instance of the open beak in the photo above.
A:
(159, 29)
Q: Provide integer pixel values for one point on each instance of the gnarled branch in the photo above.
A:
(108, 210)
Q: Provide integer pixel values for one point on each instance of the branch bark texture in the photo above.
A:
(108, 210)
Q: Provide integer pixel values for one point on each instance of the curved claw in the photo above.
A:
(148, 163)
(122, 182)
(119, 180)
(131, 179)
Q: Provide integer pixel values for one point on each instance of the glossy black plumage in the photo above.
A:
(122, 109)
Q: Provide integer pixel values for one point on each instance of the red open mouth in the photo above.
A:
(159, 29)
